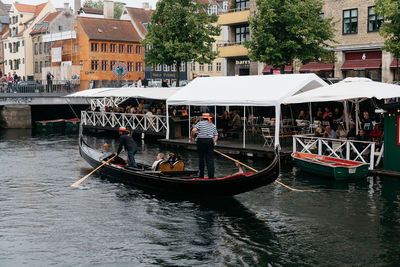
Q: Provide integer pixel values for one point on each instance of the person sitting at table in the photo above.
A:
(319, 132)
(327, 119)
(302, 115)
(236, 122)
(330, 133)
(223, 122)
(362, 136)
(366, 122)
(352, 132)
(340, 132)
(376, 135)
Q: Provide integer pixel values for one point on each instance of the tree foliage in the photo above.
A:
(99, 4)
(180, 31)
(282, 30)
(390, 30)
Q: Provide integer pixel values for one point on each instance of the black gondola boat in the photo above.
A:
(185, 182)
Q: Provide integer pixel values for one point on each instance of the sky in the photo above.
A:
(60, 3)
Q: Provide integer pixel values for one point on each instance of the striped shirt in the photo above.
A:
(206, 129)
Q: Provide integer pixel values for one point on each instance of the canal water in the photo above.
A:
(43, 221)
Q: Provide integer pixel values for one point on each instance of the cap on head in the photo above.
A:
(122, 129)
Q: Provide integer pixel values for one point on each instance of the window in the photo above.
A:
(183, 67)
(41, 67)
(36, 67)
(212, 10)
(129, 49)
(104, 65)
(76, 48)
(95, 47)
(130, 67)
(322, 15)
(242, 5)
(242, 34)
(47, 63)
(201, 67)
(112, 64)
(11, 64)
(225, 5)
(138, 50)
(139, 66)
(192, 66)
(173, 68)
(121, 48)
(219, 66)
(350, 21)
(104, 48)
(40, 48)
(46, 48)
(210, 67)
(165, 67)
(158, 67)
(374, 21)
(36, 49)
(113, 48)
(95, 65)
(59, 27)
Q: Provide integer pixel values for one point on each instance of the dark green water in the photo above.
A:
(44, 222)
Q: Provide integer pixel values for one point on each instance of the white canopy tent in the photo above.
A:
(268, 90)
(355, 90)
(161, 93)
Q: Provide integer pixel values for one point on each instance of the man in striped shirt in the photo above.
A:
(207, 136)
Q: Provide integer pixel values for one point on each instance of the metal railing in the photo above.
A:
(137, 122)
(226, 43)
(361, 151)
(237, 9)
(32, 87)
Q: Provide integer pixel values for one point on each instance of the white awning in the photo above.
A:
(348, 89)
(161, 93)
(260, 90)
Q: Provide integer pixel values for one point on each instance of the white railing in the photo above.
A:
(137, 122)
(361, 151)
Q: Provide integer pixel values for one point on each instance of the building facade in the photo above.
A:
(104, 45)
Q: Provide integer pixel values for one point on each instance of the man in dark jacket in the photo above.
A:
(126, 141)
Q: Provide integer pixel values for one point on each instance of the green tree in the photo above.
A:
(99, 4)
(390, 29)
(180, 31)
(282, 30)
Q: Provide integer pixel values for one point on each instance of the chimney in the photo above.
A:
(108, 9)
(146, 5)
(77, 6)
(66, 6)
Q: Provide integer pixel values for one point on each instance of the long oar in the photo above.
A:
(84, 178)
(276, 181)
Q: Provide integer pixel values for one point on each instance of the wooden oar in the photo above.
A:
(84, 178)
(276, 181)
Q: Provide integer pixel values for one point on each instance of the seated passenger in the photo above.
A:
(329, 133)
(340, 132)
(160, 158)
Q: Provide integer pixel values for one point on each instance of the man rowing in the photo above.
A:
(207, 136)
(126, 141)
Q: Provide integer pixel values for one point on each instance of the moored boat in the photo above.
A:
(335, 168)
(185, 182)
(50, 124)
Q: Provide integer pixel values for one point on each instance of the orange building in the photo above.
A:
(104, 44)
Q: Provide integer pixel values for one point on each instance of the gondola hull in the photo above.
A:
(190, 185)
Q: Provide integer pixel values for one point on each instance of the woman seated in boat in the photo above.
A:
(240, 169)
(362, 136)
(160, 158)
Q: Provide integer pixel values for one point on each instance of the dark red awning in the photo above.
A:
(267, 68)
(317, 66)
(394, 64)
(362, 64)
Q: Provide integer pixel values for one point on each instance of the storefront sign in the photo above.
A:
(242, 62)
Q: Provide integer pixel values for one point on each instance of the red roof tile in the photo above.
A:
(108, 29)
(140, 16)
(30, 8)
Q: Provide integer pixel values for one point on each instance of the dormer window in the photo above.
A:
(212, 10)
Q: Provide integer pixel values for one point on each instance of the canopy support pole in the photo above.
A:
(215, 116)
(244, 127)
(357, 118)
(167, 137)
(346, 115)
(277, 124)
(311, 117)
(190, 124)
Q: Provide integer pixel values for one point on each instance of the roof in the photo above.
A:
(160, 93)
(348, 89)
(108, 29)
(256, 90)
(30, 8)
(140, 16)
(43, 25)
(88, 10)
(3, 9)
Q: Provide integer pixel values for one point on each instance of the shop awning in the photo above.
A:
(267, 68)
(394, 64)
(362, 64)
(316, 66)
